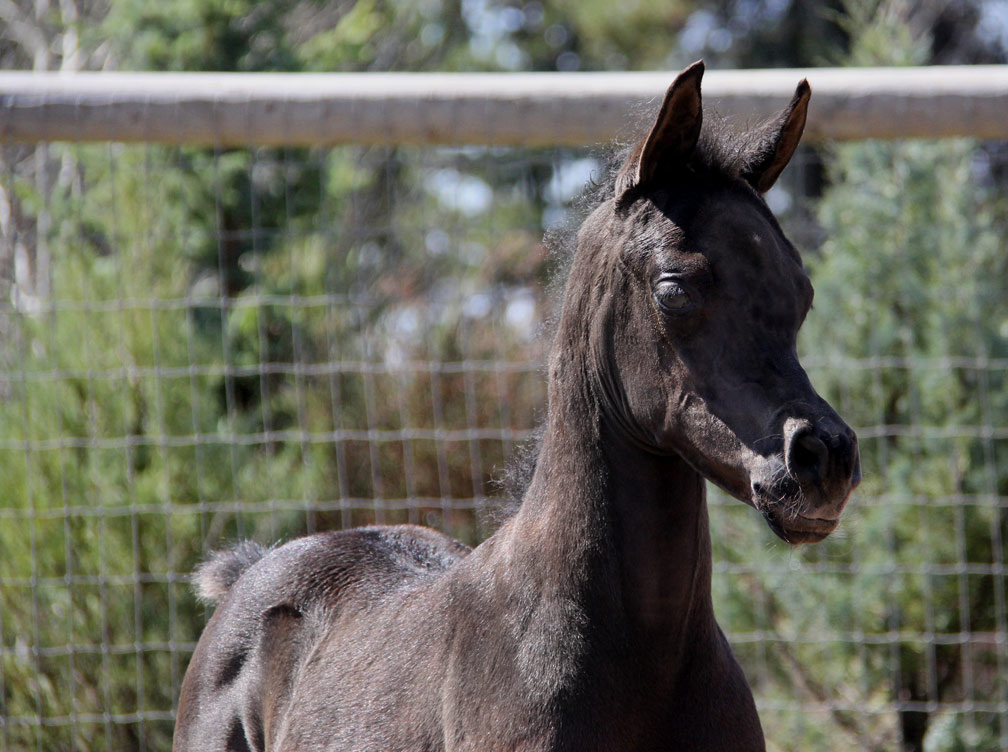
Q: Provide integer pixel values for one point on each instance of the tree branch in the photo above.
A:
(23, 30)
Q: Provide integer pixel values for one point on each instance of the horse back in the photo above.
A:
(271, 614)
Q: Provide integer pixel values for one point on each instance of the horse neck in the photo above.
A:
(617, 531)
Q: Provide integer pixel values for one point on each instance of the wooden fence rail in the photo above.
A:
(511, 109)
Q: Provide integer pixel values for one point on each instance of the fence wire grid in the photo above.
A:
(200, 346)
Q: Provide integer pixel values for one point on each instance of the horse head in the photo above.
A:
(688, 298)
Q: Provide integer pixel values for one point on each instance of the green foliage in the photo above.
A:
(187, 388)
(208, 35)
(596, 35)
(913, 267)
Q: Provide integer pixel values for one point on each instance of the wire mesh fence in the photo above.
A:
(203, 345)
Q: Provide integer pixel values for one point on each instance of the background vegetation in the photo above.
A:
(202, 345)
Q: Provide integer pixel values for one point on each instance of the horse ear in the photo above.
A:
(777, 141)
(674, 134)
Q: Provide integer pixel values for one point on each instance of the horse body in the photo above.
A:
(350, 641)
(585, 623)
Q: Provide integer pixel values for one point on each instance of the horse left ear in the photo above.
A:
(674, 134)
(777, 141)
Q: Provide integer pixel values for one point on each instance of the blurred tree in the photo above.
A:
(913, 274)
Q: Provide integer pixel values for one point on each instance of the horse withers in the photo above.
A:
(585, 622)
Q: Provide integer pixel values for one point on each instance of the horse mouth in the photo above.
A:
(798, 517)
(799, 528)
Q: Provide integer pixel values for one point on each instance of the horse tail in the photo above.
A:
(215, 576)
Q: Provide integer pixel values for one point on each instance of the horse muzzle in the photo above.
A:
(803, 492)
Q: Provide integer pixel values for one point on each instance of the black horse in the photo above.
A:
(585, 622)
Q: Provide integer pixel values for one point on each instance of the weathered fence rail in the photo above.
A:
(520, 109)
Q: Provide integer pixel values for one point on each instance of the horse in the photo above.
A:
(586, 621)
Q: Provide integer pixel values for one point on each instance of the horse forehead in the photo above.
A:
(728, 226)
(740, 226)
(744, 239)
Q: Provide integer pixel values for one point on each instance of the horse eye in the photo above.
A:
(673, 297)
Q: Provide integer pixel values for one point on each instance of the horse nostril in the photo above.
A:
(806, 456)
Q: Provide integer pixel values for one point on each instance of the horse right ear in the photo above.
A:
(777, 140)
(674, 134)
